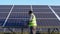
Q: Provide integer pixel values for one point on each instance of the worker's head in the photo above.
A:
(30, 12)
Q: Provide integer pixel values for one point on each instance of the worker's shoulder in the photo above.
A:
(33, 15)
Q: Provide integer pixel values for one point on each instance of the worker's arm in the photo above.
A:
(30, 19)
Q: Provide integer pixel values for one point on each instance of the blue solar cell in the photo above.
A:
(58, 14)
(1, 21)
(3, 15)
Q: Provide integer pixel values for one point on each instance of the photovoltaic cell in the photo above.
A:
(3, 15)
(1, 21)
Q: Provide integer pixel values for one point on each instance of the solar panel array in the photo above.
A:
(19, 15)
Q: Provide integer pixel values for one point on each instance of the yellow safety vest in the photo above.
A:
(33, 21)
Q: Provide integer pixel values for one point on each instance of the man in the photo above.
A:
(32, 23)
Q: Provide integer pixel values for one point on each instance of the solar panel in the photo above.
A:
(19, 15)
(22, 12)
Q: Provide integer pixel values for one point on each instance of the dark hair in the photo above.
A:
(30, 12)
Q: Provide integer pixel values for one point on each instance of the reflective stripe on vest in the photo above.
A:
(33, 21)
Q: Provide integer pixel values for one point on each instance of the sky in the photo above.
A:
(30, 2)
